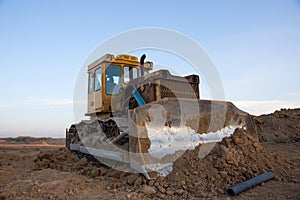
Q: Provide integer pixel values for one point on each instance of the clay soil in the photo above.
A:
(41, 168)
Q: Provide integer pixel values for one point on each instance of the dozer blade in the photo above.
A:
(160, 132)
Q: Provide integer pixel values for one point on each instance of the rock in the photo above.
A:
(257, 146)
(45, 163)
(179, 192)
(151, 183)
(103, 171)
(132, 195)
(45, 156)
(123, 175)
(162, 196)
(195, 173)
(169, 192)
(114, 173)
(161, 189)
(83, 162)
(220, 190)
(187, 173)
(138, 181)
(52, 165)
(148, 190)
(236, 140)
(132, 178)
(164, 184)
(223, 174)
(204, 194)
(74, 157)
(95, 172)
(224, 152)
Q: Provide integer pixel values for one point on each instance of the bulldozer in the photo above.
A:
(142, 120)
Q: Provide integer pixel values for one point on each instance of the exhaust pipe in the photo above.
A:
(235, 190)
(142, 61)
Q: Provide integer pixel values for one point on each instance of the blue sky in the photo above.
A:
(255, 46)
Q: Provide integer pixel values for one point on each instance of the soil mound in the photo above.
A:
(231, 161)
(281, 126)
(234, 160)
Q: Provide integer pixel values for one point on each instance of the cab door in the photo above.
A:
(91, 94)
(98, 88)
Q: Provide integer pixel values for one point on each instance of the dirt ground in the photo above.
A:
(41, 168)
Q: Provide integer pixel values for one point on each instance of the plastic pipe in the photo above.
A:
(235, 190)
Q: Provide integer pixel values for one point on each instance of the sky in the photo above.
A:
(254, 45)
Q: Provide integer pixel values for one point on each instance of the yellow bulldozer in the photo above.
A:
(142, 121)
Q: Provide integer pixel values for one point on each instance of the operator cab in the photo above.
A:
(108, 76)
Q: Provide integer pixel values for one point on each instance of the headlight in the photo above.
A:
(109, 58)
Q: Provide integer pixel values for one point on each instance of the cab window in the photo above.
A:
(90, 82)
(113, 79)
(130, 73)
(135, 73)
(126, 74)
(98, 75)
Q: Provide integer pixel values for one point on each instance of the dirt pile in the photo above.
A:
(233, 160)
(281, 126)
(64, 160)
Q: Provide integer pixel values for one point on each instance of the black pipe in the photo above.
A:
(235, 190)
